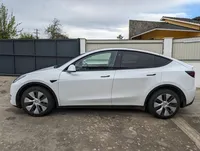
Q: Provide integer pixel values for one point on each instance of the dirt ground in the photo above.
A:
(96, 130)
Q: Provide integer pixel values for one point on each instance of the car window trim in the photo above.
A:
(117, 64)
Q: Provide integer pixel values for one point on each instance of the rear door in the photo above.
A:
(135, 77)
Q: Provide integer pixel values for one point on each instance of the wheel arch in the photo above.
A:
(174, 88)
(28, 85)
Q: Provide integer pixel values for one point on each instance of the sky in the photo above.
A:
(95, 19)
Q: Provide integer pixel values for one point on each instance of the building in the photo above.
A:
(167, 27)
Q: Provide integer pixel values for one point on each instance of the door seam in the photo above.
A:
(112, 88)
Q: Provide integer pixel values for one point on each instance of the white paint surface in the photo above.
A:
(108, 87)
(196, 65)
(168, 46)
(82, 45)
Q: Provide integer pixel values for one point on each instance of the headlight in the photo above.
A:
(18, 78)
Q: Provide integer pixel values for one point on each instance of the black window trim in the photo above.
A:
(105, 51)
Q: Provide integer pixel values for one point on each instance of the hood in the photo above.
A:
(48, 68)
(43, 69)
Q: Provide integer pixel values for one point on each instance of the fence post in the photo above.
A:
(82, 45)
(14, 65)
(168, 46)
(35, 58)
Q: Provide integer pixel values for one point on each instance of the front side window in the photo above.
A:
(136, 60)
(97, 61)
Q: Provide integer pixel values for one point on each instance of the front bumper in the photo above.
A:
(13, 94)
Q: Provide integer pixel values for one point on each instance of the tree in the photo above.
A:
(26, 36)
(197, 18)
(54, 30)
(120, 37)
(8, 25)
(61, 36)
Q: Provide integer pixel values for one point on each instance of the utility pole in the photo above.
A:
(120, 37)
(36, 33)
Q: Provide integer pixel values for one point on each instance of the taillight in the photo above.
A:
(191, 73)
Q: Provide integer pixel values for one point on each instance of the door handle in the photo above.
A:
(153, 74)
(106, 76)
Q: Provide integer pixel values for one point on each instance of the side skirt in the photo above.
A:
(104, 107)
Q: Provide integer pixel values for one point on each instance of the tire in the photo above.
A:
(37, 101)
(164, 104)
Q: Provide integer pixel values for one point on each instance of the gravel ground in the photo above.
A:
(95, 129)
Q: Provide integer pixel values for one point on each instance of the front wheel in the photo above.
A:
(164, 103)
(37, 101)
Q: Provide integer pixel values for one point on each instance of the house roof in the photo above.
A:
(182, 19)
(137, 27)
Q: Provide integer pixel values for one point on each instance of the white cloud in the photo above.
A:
(96, 33)
(93, 18)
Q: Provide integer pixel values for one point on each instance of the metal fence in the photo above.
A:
(22, 56)
(186, 49)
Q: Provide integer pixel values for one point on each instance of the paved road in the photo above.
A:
(93, 130)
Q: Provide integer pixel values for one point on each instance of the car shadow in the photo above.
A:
(100, 111)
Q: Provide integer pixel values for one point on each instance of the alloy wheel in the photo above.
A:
(165, 105)
(36, 102)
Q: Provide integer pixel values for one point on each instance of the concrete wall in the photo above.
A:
(150, 45)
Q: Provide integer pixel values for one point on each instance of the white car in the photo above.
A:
(108, 77)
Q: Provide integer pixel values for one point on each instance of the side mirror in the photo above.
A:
(71, 68)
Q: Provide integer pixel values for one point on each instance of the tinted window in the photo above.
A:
(135, 60)
(97, 61)
(161, 61)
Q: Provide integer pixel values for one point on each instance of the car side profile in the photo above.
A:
(108, 77)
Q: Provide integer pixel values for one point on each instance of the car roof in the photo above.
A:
(126, 49)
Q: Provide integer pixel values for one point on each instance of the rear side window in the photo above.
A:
(135, 60)
(161, 61)
(138, 60)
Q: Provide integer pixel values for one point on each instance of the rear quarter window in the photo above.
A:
(161, 61)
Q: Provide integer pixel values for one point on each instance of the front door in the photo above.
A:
(92, 82)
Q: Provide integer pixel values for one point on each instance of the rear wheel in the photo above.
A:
(37, 101)
(164, 103)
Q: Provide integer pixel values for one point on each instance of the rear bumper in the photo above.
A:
(190, 97)
(189, 103)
